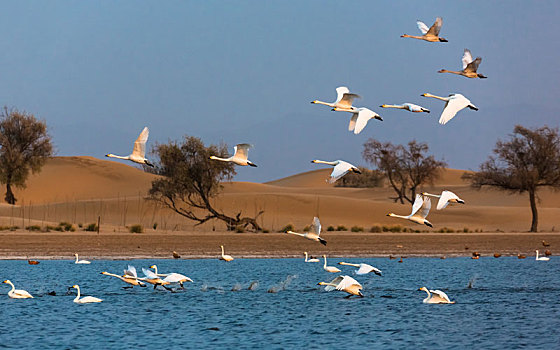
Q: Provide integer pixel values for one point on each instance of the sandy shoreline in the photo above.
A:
(190, 245)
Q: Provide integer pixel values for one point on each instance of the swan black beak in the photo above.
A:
(378, 117)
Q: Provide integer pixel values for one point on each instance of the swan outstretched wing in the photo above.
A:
(130, 271)
(455, 103)
(241, 150)
(426, 206)
(316, 226)
(444, 199)
(436, 27)
(176, 277)
(340, 91)
(467, 58)
(347, 99)
(346, 282)
(364, 115)
(336, 281)
(473, 66)
(418, 201)
(365, 269)
(352, 124)
(149, 273)
(140, 143)
(439, 295)
(422, 26)
(341, 169)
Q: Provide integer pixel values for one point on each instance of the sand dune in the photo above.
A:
(79, 189)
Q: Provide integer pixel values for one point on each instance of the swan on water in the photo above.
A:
(436, 297)
(541, 258)
(331, 269)
(240, 155)
(85, 300)
(313, 234)
(420, 210)
(225, 257)
(138, 154)
(17, 293)
(78, 261)
(310, 260)
(345, 284)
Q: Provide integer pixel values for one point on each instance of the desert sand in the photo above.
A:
(79, 190)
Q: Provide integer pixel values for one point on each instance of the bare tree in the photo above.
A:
(368, 178)
(190, 180)
(529, 160)
(406, 168)
(25, 146)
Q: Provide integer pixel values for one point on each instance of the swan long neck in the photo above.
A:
(327, 284)
(450, 71)
(13, 287)
(324, 162)
(325, 257)
(434, 96)
(113, 275)
(398, 216)
(393, 106)
(222, 159)
(305, 256)
(431, 195)
(323, 103)
(222, 250)
(349, 264)
(537, 257)
(295, 233)
(76, 257)
(77, 296)
(110, 155)
(412, 36)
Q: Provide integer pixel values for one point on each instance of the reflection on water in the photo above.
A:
(501, 303)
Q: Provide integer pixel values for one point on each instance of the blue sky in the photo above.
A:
(245, 71)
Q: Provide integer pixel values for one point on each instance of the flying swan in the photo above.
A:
(138, 154)
(130, 277)
(360, 118)
(445, 198)
(313, 234)
(470, 67)
(341, 168)
(453, 104)
(331, 269)
(409, 107)
(429, 34)
(343, 101)
(17, 293)
(363, 269)
(436, 297)
(420, 210)
(85, 300)
(78, 261)
(241, 152)
(345, 284)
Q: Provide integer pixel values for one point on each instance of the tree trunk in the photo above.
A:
(535, 221)
(10, 198)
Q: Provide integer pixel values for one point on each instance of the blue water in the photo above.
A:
(512, 304)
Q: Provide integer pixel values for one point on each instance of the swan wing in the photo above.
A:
(439, 295)
(473, 66)
(340, 91)
(467, 58)
(426, 206)
(417, 204)
(316, 226)
(131, 271)
(149, 274)
(90, 299)
(444, 199)
(241, 151)
(422, 26)
(22, 293)
(336, 281)
(352, 124)
(365, 269)
(140, 143)
(346, 282)
(363, 117)
(347, 99)
(436, 27)
(341, 169)
(455, 103)
(176, 277)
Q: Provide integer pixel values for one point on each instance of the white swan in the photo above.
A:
(153, 279)
(331, 269)
(312, 260)
(409, 107)
(129, 277)
(240, 154)
(343, 101)
(85, 300)
(429, 34)
(454, 103)
(470, 67)
(177, 278)
(436, 297)
(17, 293)
(78, 261)
(359, 119)
(344, 283)
(225, 257)
(138, 154)
(445, 198)
(313, 234)
(420, 210)
(156, 271)
(341, 168)
(537, 258)
(363, 269)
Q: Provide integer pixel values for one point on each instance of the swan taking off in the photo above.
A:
(341, 168)
(343, 101)
(240, 154)
(345, 284)
(17, 293)
(225, 257)
(436, 297)
(409, 107)
(363, 269)
(359, 119)
(78, 261)
(429, 34)
(85, 300)
(453, 104)
(537, 258)
(177, 278)
(138, 154)
(313, 234)
(129, 276)
(420, 210)
(469, 67)
(331, 269)
(312, 260)
(445, 198)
